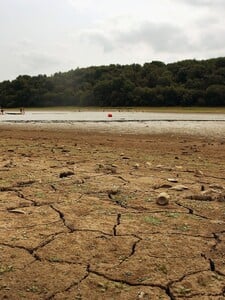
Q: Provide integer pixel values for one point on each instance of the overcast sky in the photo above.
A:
(47, 36)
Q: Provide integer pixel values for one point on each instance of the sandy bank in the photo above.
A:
(199, 128)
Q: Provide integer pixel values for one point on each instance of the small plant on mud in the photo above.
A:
(163, 269)
(39, 195)
(182, 227)
(36, 289)
(55, 259)
(153, 220)
(5, 269)
(172, 215)
(182, 290)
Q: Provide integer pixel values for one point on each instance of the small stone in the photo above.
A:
(216, 186)
(163, 199)
(159, 166)
(172, 180)
(148, 164)
(179, 187)
(179, 167)
(220, 198)
(17, 211)
(79, 181)
(143, 296)
(66, 174)
(136, 166)
(200, 197)
(198, 173)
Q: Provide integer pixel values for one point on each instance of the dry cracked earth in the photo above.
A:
(79, 218)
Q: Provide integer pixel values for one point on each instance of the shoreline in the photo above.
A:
(204, 128)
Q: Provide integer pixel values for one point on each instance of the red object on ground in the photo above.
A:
(109, 115)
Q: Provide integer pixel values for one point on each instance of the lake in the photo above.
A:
(100, 116)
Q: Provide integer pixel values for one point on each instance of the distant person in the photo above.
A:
(2, 111)
(22, 111)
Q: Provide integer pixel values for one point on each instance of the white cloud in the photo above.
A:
(81, 5)
(53, 35)
(202, 3)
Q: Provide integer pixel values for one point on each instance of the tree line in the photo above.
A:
(185, 83)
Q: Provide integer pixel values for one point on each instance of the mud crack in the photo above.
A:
(117, 224)
(191, 211)
(133, 250)
(72, 285)
(62, 217)
(125, 281)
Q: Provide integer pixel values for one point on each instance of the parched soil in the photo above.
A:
(79, 217)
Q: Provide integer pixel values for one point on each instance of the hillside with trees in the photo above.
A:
(184, 83)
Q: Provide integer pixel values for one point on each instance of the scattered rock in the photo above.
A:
(216, 186)
(220, 198)
(179, 167)
(17, 211)
(25, 183)
(159, 166)
(65, 151)
(198, 173)
(172, 180)
(163, 199)
(79, 181)
(70, 163)
(112, 192)
(210, 192)
(162, 186)
(53, 187)
(143, 296)
(148, 164)
(107, 169)
(179, 187)
(200, 197)
(6, 164)
(66, 174)
(136, 166)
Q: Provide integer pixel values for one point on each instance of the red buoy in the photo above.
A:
(109, 115)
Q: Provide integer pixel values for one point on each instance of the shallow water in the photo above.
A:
(90, 116)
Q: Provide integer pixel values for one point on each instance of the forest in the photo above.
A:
(184, 83)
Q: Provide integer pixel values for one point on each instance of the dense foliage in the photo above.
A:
(185, 83)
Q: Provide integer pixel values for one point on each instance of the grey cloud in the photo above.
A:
(159, 37)
(212, 41)
(98, 37)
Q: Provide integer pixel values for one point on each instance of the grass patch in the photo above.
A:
(152, 220)
(172, 215)
(5, 269)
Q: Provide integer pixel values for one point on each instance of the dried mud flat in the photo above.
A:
(79, 218)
